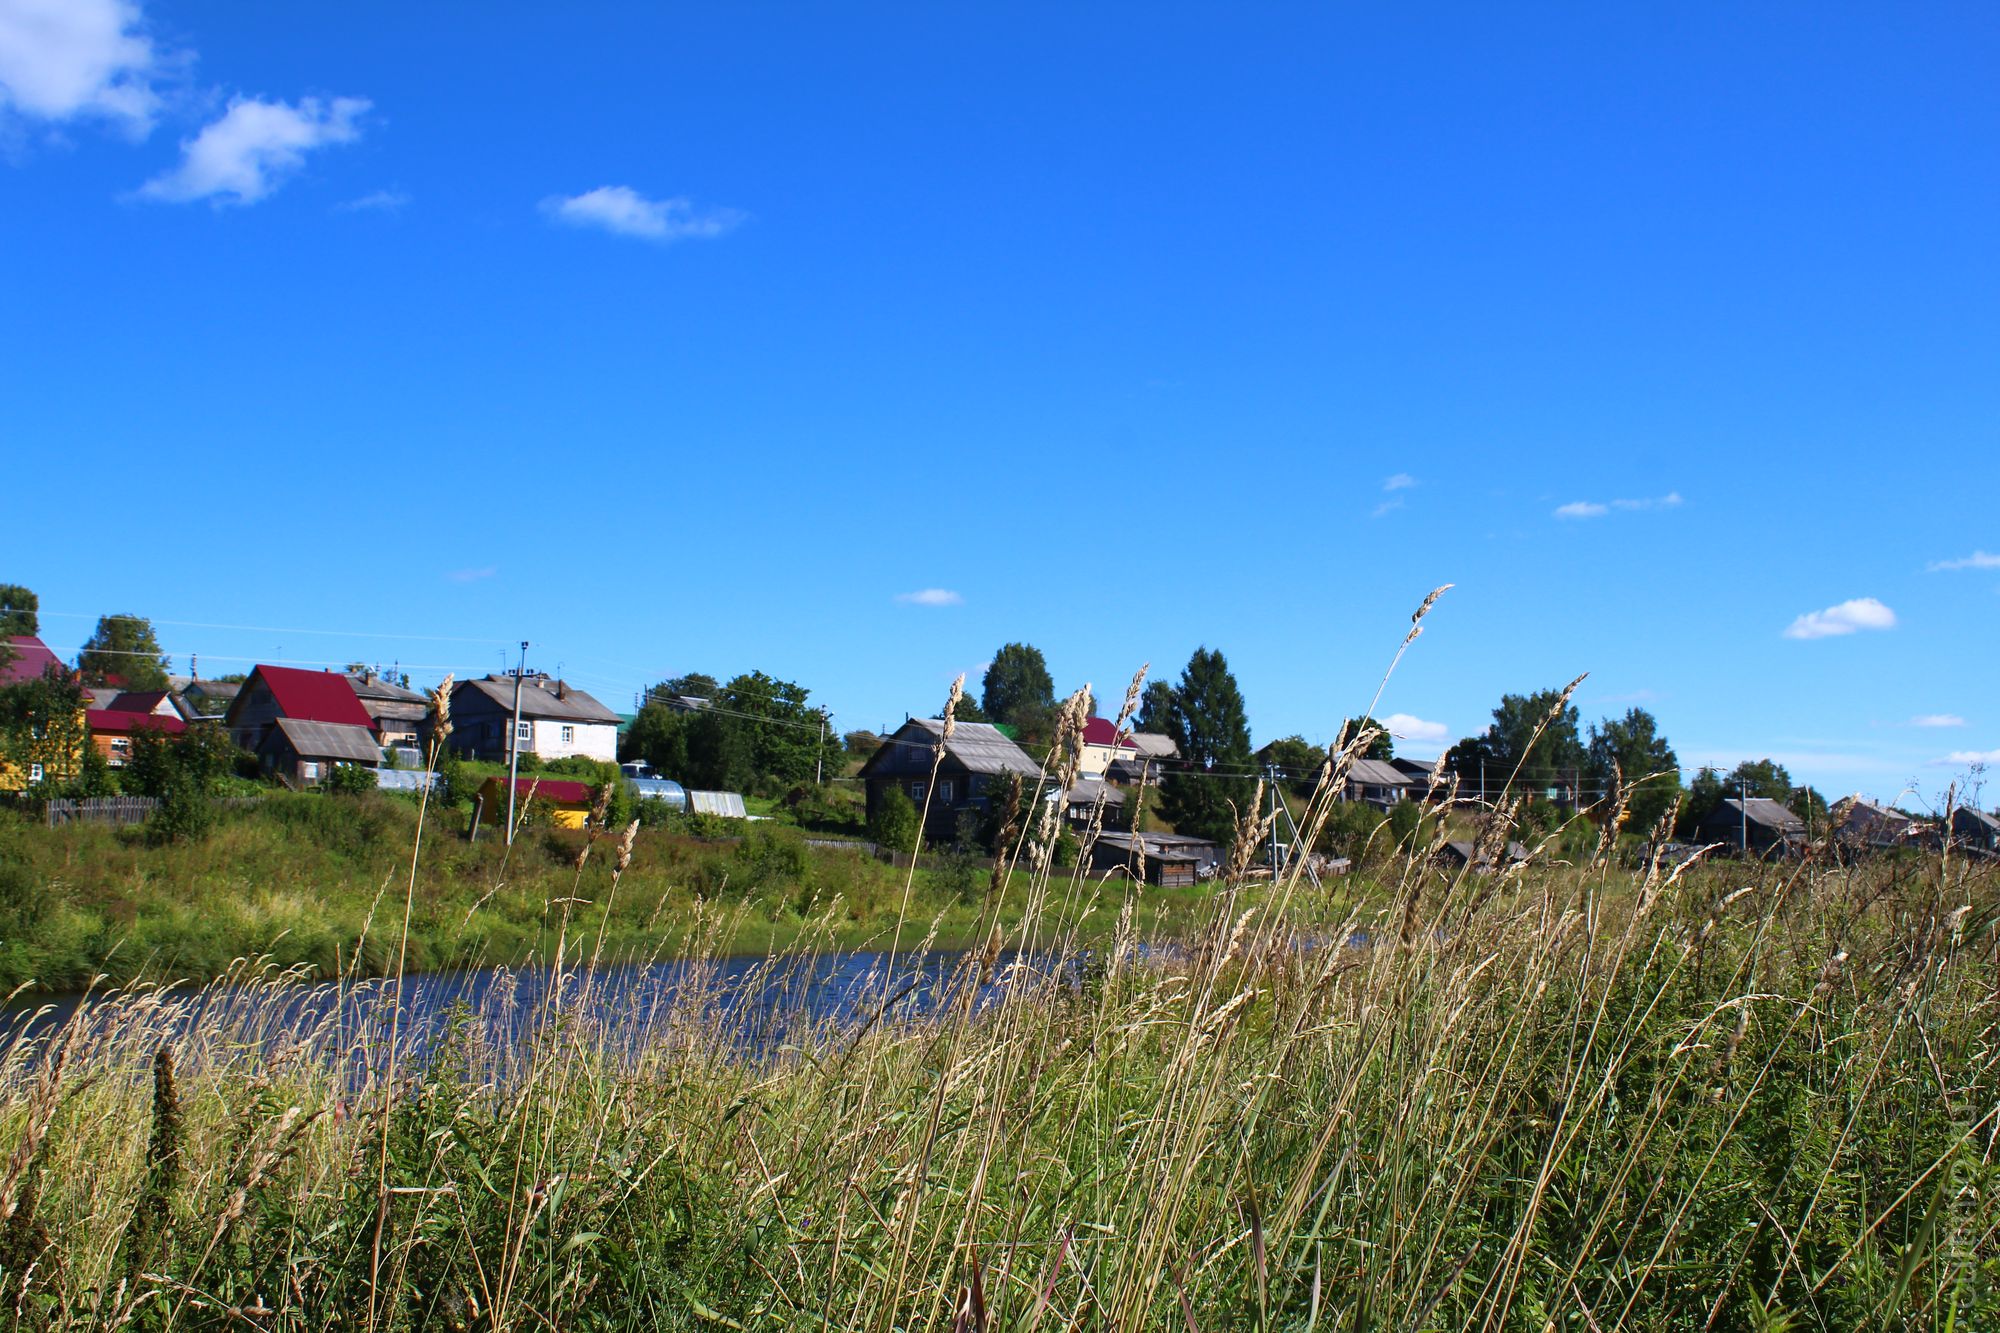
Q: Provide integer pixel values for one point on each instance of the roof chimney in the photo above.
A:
(562, 689)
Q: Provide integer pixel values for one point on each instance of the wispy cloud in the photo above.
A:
(1858, 614)
(473, 575)
(78, 59)
(930, 597)
(1977, 560)
(1598, 509)
(1966, 758)
(623, 211)
(1386, 507)
(1404, 727)
(1937, 720)
(381, 201)
(1402, 481)
(245, 155)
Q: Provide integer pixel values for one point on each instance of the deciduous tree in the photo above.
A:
(124, 647)
(1018, 691)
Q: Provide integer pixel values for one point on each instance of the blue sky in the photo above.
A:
(849, 343)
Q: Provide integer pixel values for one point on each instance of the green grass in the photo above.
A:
(298, 878)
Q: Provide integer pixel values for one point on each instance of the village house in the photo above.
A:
(1171, 860)
(1377, 782)
(1151, 754)
(1766, 826)
(397, 713)
(1975, 830)
(111, 730)
(1858, 823)
(203, 700)
(1102, 747)
(977, 760)
(301, 752)
(274, 692)
(558, 720)
(1086, 795)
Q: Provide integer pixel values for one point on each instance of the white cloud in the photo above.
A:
(1595, 509)
(247, 153)
(1977, 560)
(1937, 720)
(381, 201)
(623, 211)
(1857, 614)
(930, 597)
(1966, 758)
(1407, 728)
(63, 59)
(1387, 507)
(1582, 509)
(1402, 481)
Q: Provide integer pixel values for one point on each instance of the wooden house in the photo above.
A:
(1758, 826)
(1975, 831)
(1151, 755)
(977, 762)
(397, 713)
(1102, 747)
(27, 658)
(1167, 859)
(557, 720)
(301, 752)
(111, 730)
(275, 692)
(1859, 824)
(1377, 782)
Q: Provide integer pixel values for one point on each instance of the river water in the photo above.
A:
(756, 1006)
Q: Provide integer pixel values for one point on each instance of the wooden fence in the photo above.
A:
(102, 810)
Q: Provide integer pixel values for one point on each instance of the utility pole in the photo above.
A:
(1271, 774)
(1743, 804)
(819, 755)
(514, 742)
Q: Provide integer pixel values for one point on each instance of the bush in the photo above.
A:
(894, 824)
(349, 780)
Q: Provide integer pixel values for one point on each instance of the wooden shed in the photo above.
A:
(567, 803)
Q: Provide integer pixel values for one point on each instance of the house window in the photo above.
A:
(524, 732)
(34, 772)
(569, 735)
(917, 792)
(944, 791)
(309, 771)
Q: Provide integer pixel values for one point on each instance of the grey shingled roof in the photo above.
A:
(1762, 810)
(330, 740)
(538, 701)
(378, 689)
(1154, 746)
(1377, 773)
(981, 747)
(1089, 791)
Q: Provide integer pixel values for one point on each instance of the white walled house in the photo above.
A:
(558, 720)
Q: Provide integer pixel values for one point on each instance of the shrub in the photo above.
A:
(349, 780)
(894, 824)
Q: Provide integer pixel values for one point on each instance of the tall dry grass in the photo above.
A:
(1566, 1097)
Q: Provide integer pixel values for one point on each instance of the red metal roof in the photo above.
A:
(30, 659)
(1102, 731)
(124, 724)
(137, 701)
(314, 696)
(558, 790)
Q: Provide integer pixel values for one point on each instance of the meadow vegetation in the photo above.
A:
(1579, 1094)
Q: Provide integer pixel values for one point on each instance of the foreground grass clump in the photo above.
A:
(1741, 1099)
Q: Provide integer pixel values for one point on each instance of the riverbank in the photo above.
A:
(312, 881)
(1761, 1099)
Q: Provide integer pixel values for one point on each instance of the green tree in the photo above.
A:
(1210, 725)
(718, 753)
(124, 647)
(894, 823)
(19, 611)
(1765, 778)
(1298, 762)
(658, 735)
(788, 741)
(967, 711)
(1018, 691)
(1383, 747)
(1510, 745)
(1156, 708)
(42, 722)
(1648, 765)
